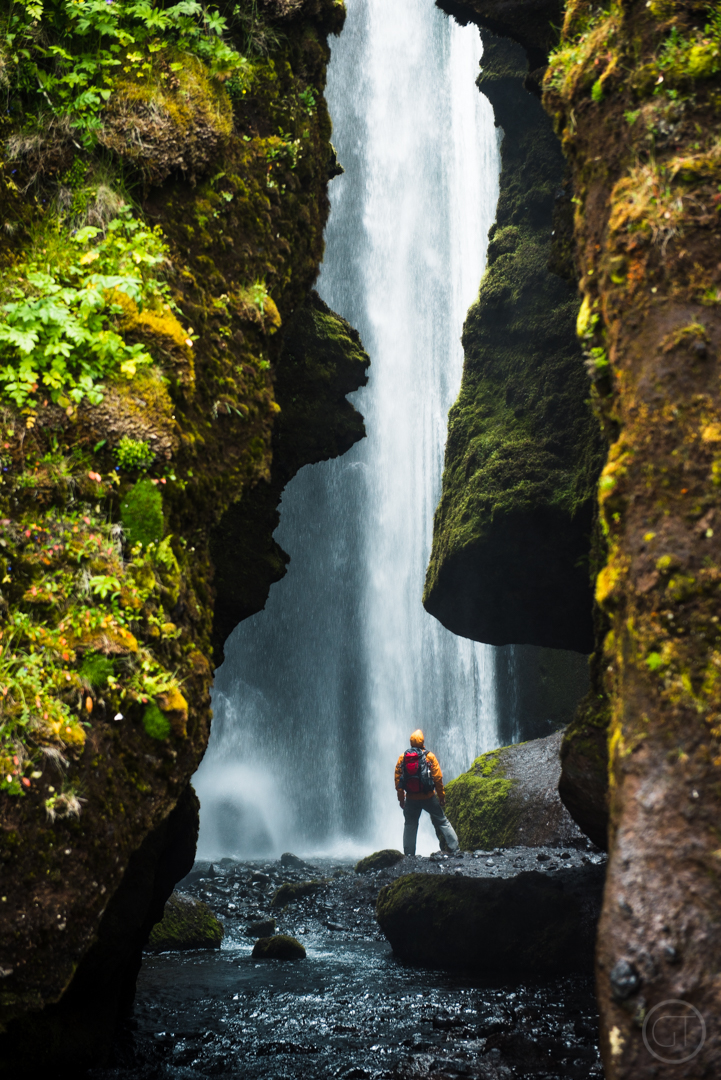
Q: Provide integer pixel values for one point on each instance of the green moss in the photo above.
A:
(481, 807)
(141, 513)
(379, 860)
(186, 924)
(96, 669)
(206, 407)
(523, 451)
(156, 722)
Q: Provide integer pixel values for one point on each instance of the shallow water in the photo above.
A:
(350, 1009)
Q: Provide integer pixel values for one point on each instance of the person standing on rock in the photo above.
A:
(419, 786)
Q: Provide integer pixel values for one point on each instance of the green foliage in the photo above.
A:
(69, 54)
(134, 454)
(282, 150)
(141, 513)
(156, 722)
(57, 330)
(97, 669)
(307, 97)
(696, 55)
(597, 91)
(104, 585)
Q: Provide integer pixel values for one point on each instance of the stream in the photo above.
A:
(350, 1009)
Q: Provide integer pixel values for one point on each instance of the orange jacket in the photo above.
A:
(436, 773)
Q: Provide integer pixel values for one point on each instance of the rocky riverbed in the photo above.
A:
(351, 1009)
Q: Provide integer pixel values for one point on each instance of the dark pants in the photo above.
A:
(412, 814)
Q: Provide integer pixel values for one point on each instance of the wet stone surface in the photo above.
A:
(350, 1010)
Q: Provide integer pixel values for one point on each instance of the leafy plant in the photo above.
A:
(70, 53)
(104, 585)
(696, 55)
(307, 97)
(57, 330)
(134, 454)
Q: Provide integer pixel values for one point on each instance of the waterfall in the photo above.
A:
(320, 691)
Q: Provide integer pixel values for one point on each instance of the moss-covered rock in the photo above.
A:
(509, 797)
(278, 947)
(187, 923)
(379, 860)
(512, 530)
(322, 361)
(290, 891)
(530, 924)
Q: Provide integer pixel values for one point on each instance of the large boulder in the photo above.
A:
(510, 797)
(187, 923)
(533, 923)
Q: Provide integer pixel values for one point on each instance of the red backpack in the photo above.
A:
(416, 776)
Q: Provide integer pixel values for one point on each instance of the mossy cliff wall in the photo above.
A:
(635, 93)
(634, 90)
(168, 228)
(512, 530)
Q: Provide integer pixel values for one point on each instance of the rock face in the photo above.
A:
(640, 129)
(635, 96)
(190, 329)
(187, 923)
(379, 860)
(583, 784)
(510, 797)
(529, 924)
(278, 947)
(512, 529)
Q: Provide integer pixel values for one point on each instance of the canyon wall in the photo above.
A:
(634, 91)
(512, 529)
(166, 370)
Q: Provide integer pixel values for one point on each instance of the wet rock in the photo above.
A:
(186, 924)
(288, 859)
(583, 785)
(379, 860)
(261, 928)
(625, 980)
(510, 797)
(278, 947)
(294, 890)
(529, 923)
